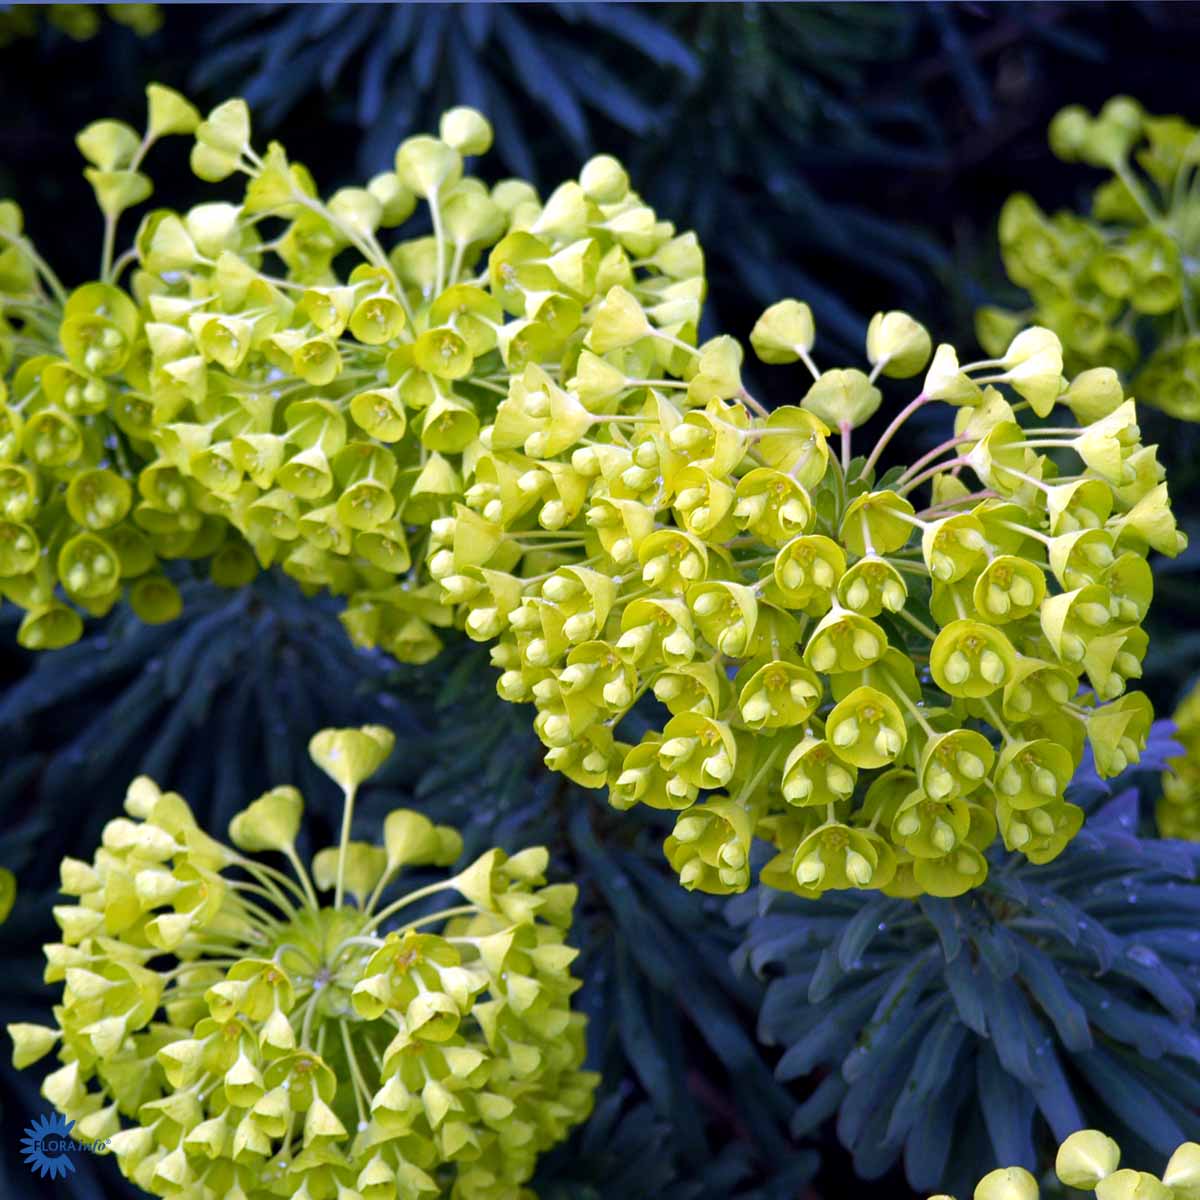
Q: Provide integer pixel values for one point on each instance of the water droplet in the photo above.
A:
(1143, 955)
(882, 926)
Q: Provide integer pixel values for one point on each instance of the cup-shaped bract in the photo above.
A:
(507, 425)
(329, 1048)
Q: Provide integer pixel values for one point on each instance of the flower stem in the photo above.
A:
(936, 452)
(403, 902)
(435, 215)
(40, 264)
(918, 625)
(890, 432)
(361, 1091)
(1120, 169)
(262, 872)
(748, 791)
(971, 497)
(913, 709)
(343, 846)
(310, 1011)
(678, 343)
(754, 405)
(927, 475)
(106, 252)
(270, 893)
(302, 875)
(997, 721)
(299, 951)
(459, 910)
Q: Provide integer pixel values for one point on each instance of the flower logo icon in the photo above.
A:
(46, 1146)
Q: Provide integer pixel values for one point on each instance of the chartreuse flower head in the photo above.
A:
(1178, 810)
(1007, 1183)
(226, 1032)
(1114, 283)
(509, 425)
(1088, 1162)
(1086, 1158)
(897, 345)
(80, 22)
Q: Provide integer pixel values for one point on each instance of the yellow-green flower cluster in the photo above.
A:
(228, 1035)
(507, 426)
(1119, 279)
(1178, 809)
(1090, 1161)
(875, 687)
(81, 525)
(78, 21)
(248, 393)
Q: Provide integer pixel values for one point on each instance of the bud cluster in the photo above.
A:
(228, 1035)
(1178, 809)
(247, 403)
(1089, 1161)
(80, 22)
(1113, 282)
(507, 426)
(875, 688)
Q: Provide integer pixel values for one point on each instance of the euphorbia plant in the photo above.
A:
(507, 425)
(229, 1032)
(1115, 283)
(1178, 808)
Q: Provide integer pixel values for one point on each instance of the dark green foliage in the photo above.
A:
(625, 1151)
(786, 99)
(402, 65)
(219, 703)
(961, 1034)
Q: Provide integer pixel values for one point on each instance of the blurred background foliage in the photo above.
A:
(855, 155)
